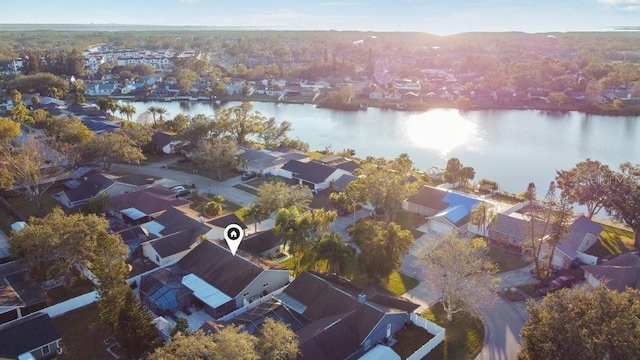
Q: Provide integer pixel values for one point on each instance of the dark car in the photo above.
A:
(248, 175)
(183, 193)
(562, 282)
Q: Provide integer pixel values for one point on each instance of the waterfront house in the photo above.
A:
(165, 142)
(313, 175)
(102, 89)
(445, 211)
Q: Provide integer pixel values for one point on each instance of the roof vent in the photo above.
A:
(362, 298)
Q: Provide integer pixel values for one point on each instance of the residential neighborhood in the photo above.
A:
(170, 193)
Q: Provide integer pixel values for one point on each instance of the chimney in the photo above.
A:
(362, 298)
(201, 219)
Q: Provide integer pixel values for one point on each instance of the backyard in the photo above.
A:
(463, 338)
(28, 208)
(397, 283)
(410, 339)
(83, 334)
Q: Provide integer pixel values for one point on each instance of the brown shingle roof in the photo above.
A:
(149, 200)
(429, 197)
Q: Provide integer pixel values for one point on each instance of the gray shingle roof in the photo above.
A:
(312, 172)
(25, 334)
(581, 227)
(89, 186)
(619, 273)
(217, 266)
(260, 242)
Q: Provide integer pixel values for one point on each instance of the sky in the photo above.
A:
(441, 17)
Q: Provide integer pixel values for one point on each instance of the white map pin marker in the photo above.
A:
(233, 235)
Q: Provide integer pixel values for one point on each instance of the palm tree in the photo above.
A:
(254, 213)
(128, 110)
(337, 252)
(153, 110)
(161, 111)
(481, 215)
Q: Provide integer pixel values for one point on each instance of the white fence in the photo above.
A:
(71, 304)
(433, 329)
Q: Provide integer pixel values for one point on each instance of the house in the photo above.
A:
(446, 211)
(342, 182)
(312, 174)
(142, 205)
(98, 125)
(20, 295)
(164, 142)
(332, 318)
(100, 89)
(512, 227)
(211, 276)
(264, 243)
(89, 185)
(617, 274)
(30, 337)
(217, 225)
(339, 162)
(584, 233)
(261, 162)
(173, 234)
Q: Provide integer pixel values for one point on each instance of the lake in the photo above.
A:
(512, 147)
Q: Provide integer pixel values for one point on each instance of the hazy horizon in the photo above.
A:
(426, 16)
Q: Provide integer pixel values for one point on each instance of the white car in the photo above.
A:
(178, 188)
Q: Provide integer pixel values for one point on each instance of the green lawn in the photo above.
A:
(505, 260)
(245, 188)
(28, 208)
(463, 338)
(616, 240)
(409, 221)
(261, 180)
(399, 283)
(83, 334)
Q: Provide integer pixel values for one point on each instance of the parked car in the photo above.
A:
(178, 188)
(248, 175)
(562, 282)
(183, 193)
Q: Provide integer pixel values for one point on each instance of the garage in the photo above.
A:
(440, 225)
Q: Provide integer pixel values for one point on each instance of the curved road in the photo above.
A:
(502, 320)
(202, 183)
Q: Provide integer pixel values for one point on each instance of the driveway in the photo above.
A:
(502, 319)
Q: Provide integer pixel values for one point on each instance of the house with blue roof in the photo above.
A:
(445, 211)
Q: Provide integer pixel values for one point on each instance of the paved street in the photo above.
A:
(502, 320)
(202, 183)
